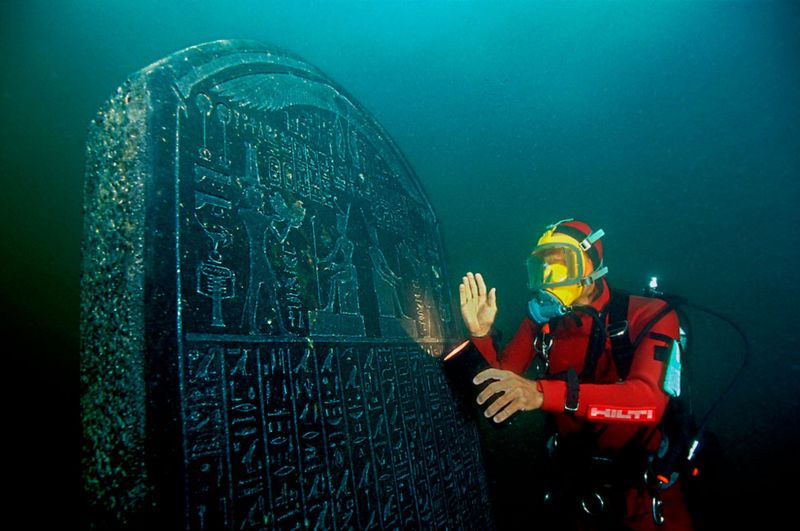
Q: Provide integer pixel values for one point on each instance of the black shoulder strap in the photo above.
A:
(597, 341)
(646, 330)
(617, 330)
(601, 328)
(621, 348)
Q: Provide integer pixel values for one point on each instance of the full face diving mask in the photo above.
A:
(558, 272)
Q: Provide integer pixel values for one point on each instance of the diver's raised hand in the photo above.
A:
(478, 308)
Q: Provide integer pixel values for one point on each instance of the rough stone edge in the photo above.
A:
(113, 398)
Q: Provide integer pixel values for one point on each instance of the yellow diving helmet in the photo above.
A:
(566, 259)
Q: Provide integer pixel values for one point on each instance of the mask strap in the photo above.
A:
(587, 242)
(597, 273)
(557, 223)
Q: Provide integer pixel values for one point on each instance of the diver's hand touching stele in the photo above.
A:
(515, 393)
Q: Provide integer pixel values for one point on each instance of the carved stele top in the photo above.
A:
(264, 296)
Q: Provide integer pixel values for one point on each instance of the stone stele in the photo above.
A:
(264, 304)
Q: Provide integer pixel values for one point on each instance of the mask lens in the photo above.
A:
(572, 263)
(555, 274)
(536, 271)
(551, 265)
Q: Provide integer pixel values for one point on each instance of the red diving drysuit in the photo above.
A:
(616, 410)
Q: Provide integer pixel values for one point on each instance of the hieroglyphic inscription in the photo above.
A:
(355, 437)
(295, 300)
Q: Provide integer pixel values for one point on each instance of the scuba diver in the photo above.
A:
(609, 362)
